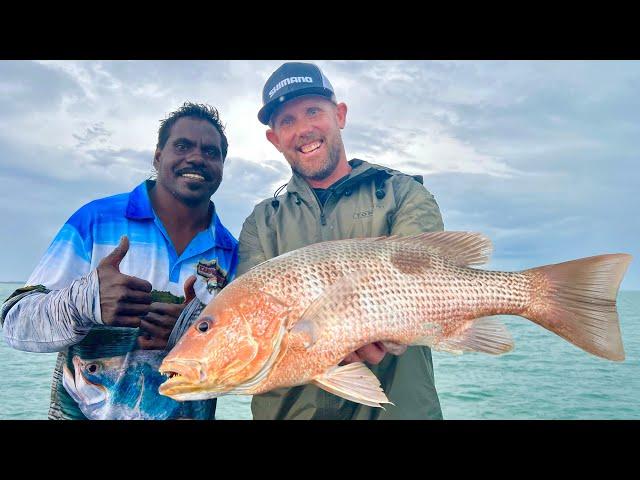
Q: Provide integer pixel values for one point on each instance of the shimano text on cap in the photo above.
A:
(289, 81)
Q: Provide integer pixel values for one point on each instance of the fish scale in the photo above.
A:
(389, 305)
(292, 319)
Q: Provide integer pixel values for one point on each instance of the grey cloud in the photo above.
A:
(93, 134)
(127, 158)
(373, 140)
(34, 208)
(569, 131)
(32, 87)
(245, 184)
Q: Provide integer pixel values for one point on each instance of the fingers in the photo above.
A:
(126, 321)
(136, 283)
(351, 358)
(372, 353)
(147, 342)
(116, 256)
(189, 291)
(131, 309)
(137, 296)
(170, 309)
(167, 321)
(155, 330)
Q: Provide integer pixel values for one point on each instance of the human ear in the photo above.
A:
(156, 158)
(273, 138)
(341, 114)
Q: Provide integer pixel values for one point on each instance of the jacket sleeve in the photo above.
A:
(50, 322)
(417, 210)
(61, 310)
(250, 252)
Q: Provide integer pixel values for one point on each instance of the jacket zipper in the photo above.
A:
(323, 219)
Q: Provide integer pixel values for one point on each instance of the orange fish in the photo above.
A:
(292, 319)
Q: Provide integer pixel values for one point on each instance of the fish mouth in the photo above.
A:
(183, 376)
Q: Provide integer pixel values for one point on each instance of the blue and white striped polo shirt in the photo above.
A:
(95, 230)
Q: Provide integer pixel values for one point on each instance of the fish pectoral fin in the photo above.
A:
(354, 382)
(394, 348)
(486, 334)
(322, 310)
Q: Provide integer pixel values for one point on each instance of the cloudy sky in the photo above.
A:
(542, 156)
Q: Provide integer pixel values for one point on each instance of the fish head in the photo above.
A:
(101, 371)
(230, 348)
(90, 386)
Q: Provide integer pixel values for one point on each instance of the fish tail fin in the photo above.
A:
(577, 301)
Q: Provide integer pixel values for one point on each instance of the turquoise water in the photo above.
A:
(544, 377)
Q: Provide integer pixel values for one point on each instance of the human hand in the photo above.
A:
(157, 325)
(123, 298)
(372, 353)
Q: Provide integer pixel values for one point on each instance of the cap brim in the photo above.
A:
(264, 115)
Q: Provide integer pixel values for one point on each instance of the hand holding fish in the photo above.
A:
(372, 354)
(123, 299)
(293, 319)
(157, 325)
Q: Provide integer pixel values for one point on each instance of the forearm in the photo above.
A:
(50, 322)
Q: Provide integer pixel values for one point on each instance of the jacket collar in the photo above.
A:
(361, 170)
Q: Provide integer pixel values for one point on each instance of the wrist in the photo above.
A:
(93, 287)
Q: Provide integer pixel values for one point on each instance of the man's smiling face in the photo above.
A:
(190, 164)
(306, 130)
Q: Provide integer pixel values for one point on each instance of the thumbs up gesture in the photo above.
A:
(123, 299)
(157, 325)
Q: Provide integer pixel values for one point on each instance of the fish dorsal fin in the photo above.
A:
(486, 334)
(354, 382)
(461, 248)
(319, 313)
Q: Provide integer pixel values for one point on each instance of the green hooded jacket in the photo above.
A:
(373, 201)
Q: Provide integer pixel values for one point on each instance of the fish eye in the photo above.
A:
(204, 324)
(92, 368)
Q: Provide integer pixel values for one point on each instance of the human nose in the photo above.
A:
(305, 127)
(195, 156)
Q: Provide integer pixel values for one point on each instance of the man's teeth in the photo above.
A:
(310, 147)
(193, 175)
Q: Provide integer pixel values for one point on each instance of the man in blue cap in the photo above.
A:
(330, 198)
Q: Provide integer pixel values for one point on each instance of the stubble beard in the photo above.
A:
(322, 171)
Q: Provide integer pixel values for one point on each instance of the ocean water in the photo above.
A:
(544, 377)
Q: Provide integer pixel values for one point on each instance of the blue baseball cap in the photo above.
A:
(292, 80)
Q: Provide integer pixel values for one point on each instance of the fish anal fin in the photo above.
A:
(486, 334)
(354, 382)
